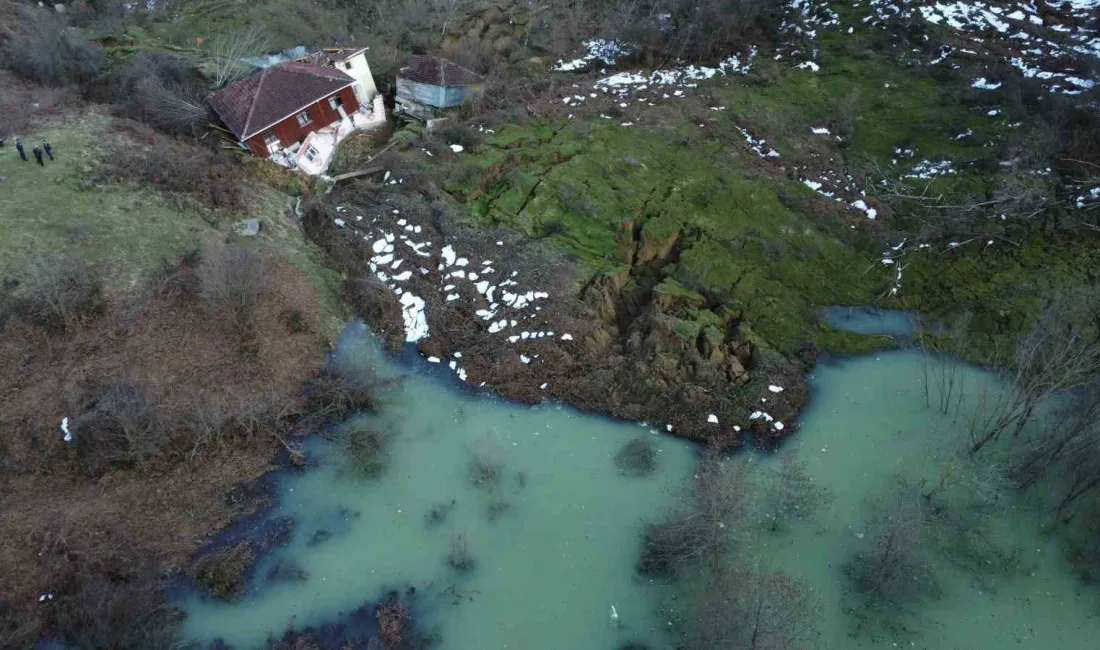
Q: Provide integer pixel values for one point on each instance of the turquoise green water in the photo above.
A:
(868, 424)
(551, 566)
(548, 569)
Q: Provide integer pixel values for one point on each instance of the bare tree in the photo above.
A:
(44, 48)
(229, 50)
(792, 492)
(756, 608)
(942, 365)
(232, 281)
(1056, 355)
(894, 566)
(706, 525)
(1063, 435)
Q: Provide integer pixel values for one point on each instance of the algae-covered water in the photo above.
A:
(549, 565)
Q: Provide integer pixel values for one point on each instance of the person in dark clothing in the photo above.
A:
(19, 148)
(48, 149)
(38, 156)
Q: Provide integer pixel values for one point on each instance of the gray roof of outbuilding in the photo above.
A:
(438, 72)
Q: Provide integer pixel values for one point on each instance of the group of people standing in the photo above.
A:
(37, 151)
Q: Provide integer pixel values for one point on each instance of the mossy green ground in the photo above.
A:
(126, 232)
(746, 238)
(753, 236)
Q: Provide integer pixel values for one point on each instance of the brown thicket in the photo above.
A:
(232, 280)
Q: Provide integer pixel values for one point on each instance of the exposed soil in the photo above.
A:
(621, 356)
(54, 515)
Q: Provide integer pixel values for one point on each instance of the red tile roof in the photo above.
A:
(268, 97)
(438, 72)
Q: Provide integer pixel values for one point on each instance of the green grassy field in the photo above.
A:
(122, 230)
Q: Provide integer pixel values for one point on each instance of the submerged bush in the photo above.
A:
(637, 457)
(333, 394)
(366, 449)
(486, 467)
(437, 514)
(223, 572)
(460, 557)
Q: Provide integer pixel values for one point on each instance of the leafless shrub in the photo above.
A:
(45, 49)
(229, 50)
(18, 629)
(214, 180)
(460, 557)
(638, 457)
(757, 609)
(847, 112)
(205, 425)
(232, 280)
(125, 610)
(56, 290)
(117, 425)
(792, 493)
(470, 52)
(393, 619)
(690, 29)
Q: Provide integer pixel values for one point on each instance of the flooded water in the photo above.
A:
(869, 422)
(865, 319)
(551, 564)
(557, 553)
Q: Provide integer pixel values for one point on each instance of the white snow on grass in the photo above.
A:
(457, 148)
(416, 323)
(862, 206)
(598, 51)
(712, 419)
(684, 76)
(65, 430)
(775, 389)
(983, 84)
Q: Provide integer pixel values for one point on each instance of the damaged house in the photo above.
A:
(428, 84)
(296, 113)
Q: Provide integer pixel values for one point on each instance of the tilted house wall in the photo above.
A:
(290, 132)
(263, 109)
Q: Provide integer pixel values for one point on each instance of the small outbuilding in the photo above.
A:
(428, 84)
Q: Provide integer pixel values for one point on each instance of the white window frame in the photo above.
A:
(335, 102)
(271, 140)
(347, 65)
(304, 118)
(311, 153)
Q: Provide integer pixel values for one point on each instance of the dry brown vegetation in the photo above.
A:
(167, 416)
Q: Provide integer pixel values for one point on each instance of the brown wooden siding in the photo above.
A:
(289, 131)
